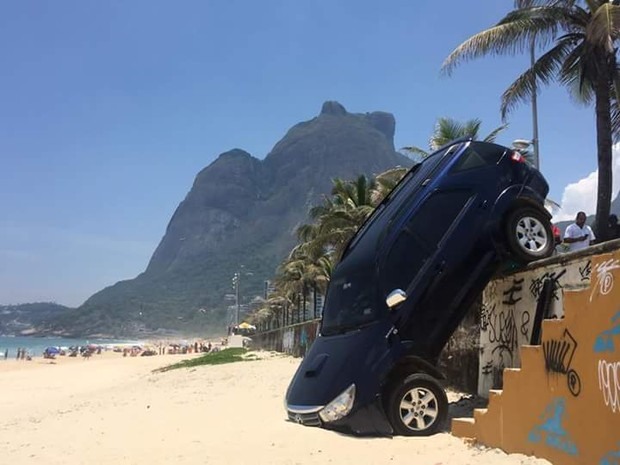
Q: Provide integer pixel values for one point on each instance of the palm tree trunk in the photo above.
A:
(604, 146)
(314, 300)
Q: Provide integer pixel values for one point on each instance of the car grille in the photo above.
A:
(306, 419)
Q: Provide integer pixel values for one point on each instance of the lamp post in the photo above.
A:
(235, 282)
(522, 146)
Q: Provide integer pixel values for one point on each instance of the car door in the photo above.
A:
(466, 193)
(414, 260)
(433, 258)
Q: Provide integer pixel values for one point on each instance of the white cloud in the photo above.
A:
(581, 195)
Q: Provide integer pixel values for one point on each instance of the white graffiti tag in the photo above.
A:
(605, 277)
(609, 383)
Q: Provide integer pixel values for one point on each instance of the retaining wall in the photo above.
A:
(563, 403)
(509, 307)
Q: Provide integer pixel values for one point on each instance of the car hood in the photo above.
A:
(335, 362)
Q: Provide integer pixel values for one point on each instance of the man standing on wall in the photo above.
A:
(578, 235)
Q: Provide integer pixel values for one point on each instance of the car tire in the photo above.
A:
(417, 406)
(529, 235)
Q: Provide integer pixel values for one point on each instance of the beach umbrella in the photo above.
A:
(52, 350)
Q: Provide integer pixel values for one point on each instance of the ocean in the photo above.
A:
(36, 345)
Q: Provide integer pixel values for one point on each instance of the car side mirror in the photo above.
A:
(397, 296)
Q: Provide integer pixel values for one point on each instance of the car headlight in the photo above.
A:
(340, 406)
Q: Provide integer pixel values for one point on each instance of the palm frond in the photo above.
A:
(416, 150)
(495, 132)
(603, 29)
(543, 71)
(513, 34)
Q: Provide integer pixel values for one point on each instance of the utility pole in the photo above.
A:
(235, 282)
(534, 107)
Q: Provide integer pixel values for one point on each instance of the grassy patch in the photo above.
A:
(213, 358)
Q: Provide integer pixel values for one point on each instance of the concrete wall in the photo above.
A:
(509, 306)
(294, 340)
(563, 404)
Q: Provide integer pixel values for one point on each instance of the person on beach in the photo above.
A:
(6, 354)
(578, 235)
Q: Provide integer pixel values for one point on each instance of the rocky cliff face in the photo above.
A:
(241, 211)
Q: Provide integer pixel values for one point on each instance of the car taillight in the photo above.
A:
(517, 157)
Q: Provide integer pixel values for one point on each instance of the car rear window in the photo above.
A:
(478, 155)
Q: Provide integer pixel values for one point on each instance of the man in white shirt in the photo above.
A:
(578, 235)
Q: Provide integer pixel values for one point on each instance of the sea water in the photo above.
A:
(36, 345)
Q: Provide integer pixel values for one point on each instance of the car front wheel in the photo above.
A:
(417, 406)
(529, 235)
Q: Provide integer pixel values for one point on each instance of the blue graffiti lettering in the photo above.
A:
(551, 428)
(605, 340)
(611, 458)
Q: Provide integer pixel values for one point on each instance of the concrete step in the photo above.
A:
(463, 427)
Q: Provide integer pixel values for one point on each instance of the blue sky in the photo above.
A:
(109, 109)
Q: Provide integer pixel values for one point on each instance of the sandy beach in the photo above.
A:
(115, 410)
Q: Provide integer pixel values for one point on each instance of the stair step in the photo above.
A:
(463, 427)
(479, 413)
(531, 357)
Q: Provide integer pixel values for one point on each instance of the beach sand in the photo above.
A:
(114, 410)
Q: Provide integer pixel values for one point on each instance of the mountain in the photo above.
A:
(240, 215)
(22, 319)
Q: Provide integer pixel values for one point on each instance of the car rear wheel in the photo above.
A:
(417, 406)
(529, 235)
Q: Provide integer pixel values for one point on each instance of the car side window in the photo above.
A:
(420, 236)
(436, 215)
(478, 155)
(403, 261)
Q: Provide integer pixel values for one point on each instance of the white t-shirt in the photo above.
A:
(573, 231)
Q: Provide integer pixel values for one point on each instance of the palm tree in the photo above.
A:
(580, 38)
(340, 215)
(448, 129)
(385, 183)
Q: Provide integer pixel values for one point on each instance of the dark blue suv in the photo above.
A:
(406, 280)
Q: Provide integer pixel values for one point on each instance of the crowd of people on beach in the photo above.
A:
(133, 350)
(22, 354)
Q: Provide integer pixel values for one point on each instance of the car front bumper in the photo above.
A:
(367, 420)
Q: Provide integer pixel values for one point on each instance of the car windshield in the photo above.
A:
(350, 303)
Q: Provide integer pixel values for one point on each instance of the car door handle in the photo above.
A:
(426, 181)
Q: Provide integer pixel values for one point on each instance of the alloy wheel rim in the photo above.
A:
(418, 409)
(531, 234)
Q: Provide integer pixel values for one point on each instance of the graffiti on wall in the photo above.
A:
(605, 340)
(611, 458)
(558, 358)
(609, 372)
(609, 383)
(507, 316)
(288, 340)
(537, 283)
(585, 271)
(550, 430)
(604, 277)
